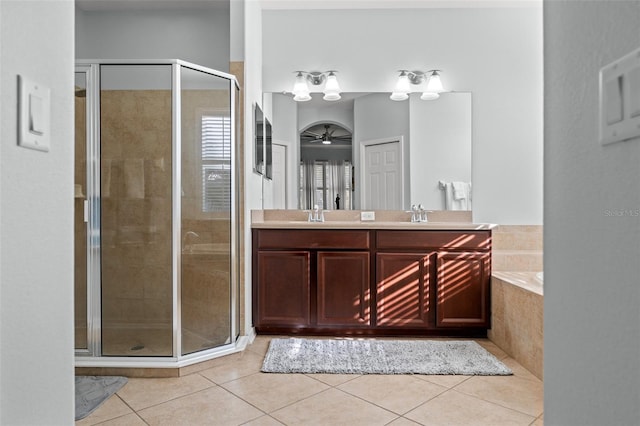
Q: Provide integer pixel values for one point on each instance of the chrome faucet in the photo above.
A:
(318, 214)
(185, 238)
(422, 214)
(414, 214)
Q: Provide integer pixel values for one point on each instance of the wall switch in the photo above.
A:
(34, 111)
(364, 216)
(620, 99)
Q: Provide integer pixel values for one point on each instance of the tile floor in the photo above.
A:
(234, 392)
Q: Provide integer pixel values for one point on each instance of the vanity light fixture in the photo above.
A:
(301, 91)
(407, 78)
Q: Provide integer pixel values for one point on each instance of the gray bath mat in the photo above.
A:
(92, 391)
(369, 356)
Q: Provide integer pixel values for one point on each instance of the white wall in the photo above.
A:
(36, 221)
(440, 146)
(201, 36)
(592, 224)
(253, 96)
(495, 53)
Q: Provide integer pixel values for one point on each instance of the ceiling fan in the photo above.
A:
(327, 137)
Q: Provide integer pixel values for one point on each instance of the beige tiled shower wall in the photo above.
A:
(136, 156)
(517, 248)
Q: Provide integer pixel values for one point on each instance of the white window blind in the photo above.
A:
(216, 163)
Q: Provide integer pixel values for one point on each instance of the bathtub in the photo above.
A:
(517, 304)
(530, 281)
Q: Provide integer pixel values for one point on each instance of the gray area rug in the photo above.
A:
(369, 356)
(92, 391)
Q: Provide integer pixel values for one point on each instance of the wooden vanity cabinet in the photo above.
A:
(376, 282)
(311, 279)
(343, 288)
(285, 300)
(404, 287)
(451, 291)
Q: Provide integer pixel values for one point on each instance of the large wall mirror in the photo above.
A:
(366, 151)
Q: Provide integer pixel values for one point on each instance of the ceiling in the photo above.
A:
(119, 5)
(113, 5)
(392, 4)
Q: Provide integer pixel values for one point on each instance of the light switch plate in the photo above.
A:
(34, 115)
(620, 99)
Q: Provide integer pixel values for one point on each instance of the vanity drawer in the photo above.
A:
(312, 239)
(407, 240)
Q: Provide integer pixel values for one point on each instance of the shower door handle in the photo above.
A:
(86, 210)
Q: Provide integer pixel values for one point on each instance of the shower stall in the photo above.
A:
(156, 274)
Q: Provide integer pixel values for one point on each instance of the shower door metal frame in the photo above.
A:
(92, 208)
(92, 357)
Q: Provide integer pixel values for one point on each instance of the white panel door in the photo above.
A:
(279, 176)
(382, 177)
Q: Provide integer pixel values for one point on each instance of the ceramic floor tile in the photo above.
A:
(538, 422)
(334, 379)
(455, 408)
(263, 421)
(244, 364)
(143, 393)
(397, 393)
(513, 392)
(519, 370)
(260, 344)
(445, 380)
(333, 407)
(110, 409)
(401, 421)
(213, 406)
(270, 392)
(128, 420)
(492, 348)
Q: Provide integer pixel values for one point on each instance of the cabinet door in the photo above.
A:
(343, 288)
(283, 288)
(402, 290)
(463, 289)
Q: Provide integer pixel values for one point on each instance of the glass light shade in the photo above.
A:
(302, 98)
(301, 89)
(331, 88)
(403, 85)
(326, 142)
(434, 85)
(398, 96)
(429, 96)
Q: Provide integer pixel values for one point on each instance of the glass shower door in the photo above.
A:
(136, 210)
(205, 211)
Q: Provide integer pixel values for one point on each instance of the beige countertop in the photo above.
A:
(297, 219)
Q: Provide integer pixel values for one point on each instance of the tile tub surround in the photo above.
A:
(517, 305)
(517, 248)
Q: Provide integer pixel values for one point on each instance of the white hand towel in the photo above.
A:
(459, 190)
